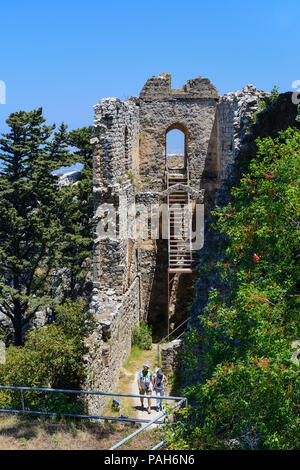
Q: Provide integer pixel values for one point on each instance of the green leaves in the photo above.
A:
(142, 336)
(44, 231)
(76, 217)
(29, 217)
(245, 386)
(51, 357)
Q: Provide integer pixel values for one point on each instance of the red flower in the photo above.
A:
(256, 258)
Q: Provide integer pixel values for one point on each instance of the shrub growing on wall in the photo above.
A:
(142, 336)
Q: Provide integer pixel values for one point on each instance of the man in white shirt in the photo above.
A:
(145, 383)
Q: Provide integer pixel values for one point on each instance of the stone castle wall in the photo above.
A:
(191, 110)
(130, 275)
(110, 344)
(237, 140)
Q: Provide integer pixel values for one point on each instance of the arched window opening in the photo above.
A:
(175, 148)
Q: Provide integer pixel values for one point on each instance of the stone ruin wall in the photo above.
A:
(129, 162)
(191, 110)
(116, 288)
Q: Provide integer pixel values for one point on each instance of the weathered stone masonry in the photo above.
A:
(130, 275)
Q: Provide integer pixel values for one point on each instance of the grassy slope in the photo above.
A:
(17, 433)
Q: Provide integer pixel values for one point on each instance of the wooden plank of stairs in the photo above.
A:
(180, 270)
(180, 257)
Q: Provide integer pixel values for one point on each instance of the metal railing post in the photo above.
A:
(123, 441)
(180, 401)
(166, 337)
(22, 400)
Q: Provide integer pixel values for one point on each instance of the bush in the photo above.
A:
(52, 357)
(265, 102)
(142, 336)
(62, 403)
(243, 387)
(253, 405)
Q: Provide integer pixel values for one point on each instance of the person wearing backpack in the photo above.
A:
(145, 383)
(159, 383)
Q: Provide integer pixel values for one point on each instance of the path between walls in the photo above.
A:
(137, 404)
(131, 407)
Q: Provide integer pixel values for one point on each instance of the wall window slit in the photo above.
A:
(126, 149)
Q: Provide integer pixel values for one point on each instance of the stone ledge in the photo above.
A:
(170, 359)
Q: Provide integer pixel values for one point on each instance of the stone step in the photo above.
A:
(177, 180)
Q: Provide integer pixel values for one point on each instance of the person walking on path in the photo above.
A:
(159, 383)
(145, 384)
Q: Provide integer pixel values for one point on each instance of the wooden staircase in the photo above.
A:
(180, 254)
(179, 224)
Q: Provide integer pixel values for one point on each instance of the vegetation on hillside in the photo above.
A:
(242, 385)
(45, 232)
(52, 357)
(243, 388)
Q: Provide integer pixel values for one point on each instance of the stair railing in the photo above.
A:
(168, 335)
(168, 210)
(190, 213)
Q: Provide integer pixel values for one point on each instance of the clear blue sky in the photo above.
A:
(65, 55)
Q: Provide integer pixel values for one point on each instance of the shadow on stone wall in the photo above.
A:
(158, 303)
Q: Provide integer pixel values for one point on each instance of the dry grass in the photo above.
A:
(30, 433)
(18, 433)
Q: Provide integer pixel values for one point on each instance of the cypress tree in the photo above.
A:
(30, 220)
(77, 214)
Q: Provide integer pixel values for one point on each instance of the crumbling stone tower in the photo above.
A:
(130, 167)
(144, 277)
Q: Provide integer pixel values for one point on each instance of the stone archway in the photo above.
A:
(176, 150)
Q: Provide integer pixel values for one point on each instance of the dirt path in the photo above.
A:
(128, 383)
(137, 404)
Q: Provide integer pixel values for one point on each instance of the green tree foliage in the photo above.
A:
(265, 102)
(29, 215)
(245, 389)
(270, 98)
(52, 357)
(142, 336)
(44, 230)
(77, 214)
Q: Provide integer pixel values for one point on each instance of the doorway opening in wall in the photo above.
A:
(169, 301)
(176, 147)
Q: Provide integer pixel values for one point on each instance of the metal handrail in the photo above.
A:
(77, 392)
(169, 235)
(189, 210)
(168, 335)
(161, 443)
(146, 424)
(86, 392)
(72, 415)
